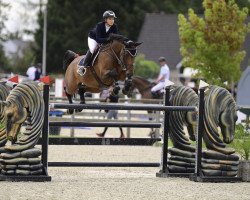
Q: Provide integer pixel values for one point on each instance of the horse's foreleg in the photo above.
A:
(127, 85)
(70, 111)
(81, 92)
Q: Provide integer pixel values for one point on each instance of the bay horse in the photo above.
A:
(115, 62)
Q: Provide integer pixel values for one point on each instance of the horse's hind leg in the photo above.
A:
(70, 111)
(81, 92)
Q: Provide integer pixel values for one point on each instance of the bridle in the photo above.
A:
(123, 52)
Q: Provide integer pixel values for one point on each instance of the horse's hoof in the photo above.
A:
(79, 110)
(70, 111)
(122, 136)
(100, 135)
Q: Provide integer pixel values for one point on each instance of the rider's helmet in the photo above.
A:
(108, 13)
(162, 59)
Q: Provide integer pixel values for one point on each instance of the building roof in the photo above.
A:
(160, 37)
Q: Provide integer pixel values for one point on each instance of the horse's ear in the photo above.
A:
(128, 43)
(137, 44)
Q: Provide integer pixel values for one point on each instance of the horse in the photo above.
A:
(114, 61)
(143, 86)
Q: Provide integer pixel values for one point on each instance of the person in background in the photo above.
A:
(38, 71)
(163, 76)
(111, 113)
(31, 72)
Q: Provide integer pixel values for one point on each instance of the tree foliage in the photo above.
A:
(213, 44)
(146, 68)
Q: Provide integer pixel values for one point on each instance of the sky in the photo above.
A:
(21, 15)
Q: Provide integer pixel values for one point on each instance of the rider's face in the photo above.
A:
(110, 21)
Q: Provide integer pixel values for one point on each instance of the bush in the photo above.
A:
(241, 142)
(146, 68)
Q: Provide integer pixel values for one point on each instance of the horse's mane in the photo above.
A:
(117, 37)
(27, 95)
(4, 91)
(217, 100)
(181, 96)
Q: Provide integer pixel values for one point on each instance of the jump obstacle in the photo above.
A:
(197, 176)
(166, 108)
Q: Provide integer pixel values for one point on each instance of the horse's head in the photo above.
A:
(227, 119)
(126, 51)
(142, 85)
(15, 114)
(129, 54)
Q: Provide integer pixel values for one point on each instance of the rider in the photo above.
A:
(99, 35)
(163, 76)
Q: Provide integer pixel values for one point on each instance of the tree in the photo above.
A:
(145, 68)
(212, 44)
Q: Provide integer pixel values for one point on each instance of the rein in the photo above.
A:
(113, 55)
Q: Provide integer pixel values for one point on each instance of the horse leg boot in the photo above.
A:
(116, 89)
(81, 92)
(69, 111)
(128, 84)
(87, 61)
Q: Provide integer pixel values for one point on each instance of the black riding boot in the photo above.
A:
(82, 69)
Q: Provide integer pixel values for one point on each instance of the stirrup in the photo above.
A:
(81, 70)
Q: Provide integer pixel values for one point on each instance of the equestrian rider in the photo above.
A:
(163, 76)
(99, 35)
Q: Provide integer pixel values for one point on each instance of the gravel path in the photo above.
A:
(115, 183)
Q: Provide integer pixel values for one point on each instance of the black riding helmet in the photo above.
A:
(108, 13)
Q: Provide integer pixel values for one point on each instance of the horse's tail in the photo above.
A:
(69, 56)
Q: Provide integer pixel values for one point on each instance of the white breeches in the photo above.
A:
(92, 44)
(158, 87)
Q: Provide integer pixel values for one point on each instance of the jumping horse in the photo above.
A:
(113, 62)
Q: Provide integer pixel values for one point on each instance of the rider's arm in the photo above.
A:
(160, 77)
(99, 37)
(116, 31)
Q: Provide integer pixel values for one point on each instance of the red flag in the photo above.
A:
(45, 80)
(14, 79)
